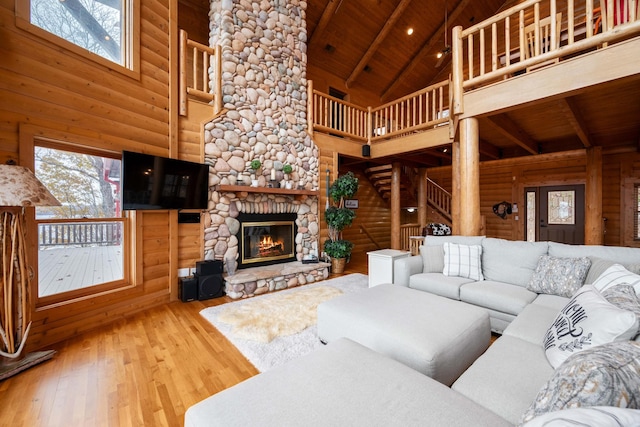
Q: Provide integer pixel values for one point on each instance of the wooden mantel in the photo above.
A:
(267, 190)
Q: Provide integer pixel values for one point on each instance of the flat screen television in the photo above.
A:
(153, 182)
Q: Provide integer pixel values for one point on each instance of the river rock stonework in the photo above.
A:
(264, 91)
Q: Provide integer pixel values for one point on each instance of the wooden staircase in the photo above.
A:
(438, 199)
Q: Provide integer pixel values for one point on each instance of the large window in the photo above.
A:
(101, 27)
(81, 243)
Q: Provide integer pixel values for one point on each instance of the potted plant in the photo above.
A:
(338, 218)
(255, 165)
(287, 169)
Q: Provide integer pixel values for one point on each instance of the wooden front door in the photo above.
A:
(556, 213)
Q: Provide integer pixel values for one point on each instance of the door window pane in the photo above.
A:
(561, 207)
(531, 216)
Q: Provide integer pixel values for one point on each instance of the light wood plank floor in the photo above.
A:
(145, 370)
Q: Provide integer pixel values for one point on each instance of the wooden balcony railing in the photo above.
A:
(494, 49)
(200, 73)
(418, 111)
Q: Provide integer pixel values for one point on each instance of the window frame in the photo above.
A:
(30, 137)
(130, 38)
(629, 212)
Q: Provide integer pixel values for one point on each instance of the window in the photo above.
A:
(101, 27)
(81, 243)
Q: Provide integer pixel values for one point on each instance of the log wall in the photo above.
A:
(505, 180)
(57, 91)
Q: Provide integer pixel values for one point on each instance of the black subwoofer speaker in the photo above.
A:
(211, 286)
(207, 268)
(188, 289)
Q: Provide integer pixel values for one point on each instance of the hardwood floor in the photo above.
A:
(143, 370)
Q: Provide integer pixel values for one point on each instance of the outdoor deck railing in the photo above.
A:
(80, 233)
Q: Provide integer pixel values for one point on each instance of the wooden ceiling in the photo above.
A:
(365, 42)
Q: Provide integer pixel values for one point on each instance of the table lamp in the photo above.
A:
(19, 188)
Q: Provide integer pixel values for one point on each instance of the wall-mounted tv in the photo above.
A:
(153, 182)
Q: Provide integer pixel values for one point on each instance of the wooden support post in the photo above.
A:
(470, 220)
(455, 187)
(422, 197)
(593, 227)
(395, 206)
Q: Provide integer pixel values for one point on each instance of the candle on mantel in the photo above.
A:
(273, 174)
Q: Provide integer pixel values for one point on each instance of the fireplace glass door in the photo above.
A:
(267, 242)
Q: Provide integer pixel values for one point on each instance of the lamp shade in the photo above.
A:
(20, 187)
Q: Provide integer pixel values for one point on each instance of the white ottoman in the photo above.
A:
(434, 335)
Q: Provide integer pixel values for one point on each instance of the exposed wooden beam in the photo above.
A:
(386, 29)
(418, 58)
(318, 32)
(573, 114)
(513, 132)
(489, 150)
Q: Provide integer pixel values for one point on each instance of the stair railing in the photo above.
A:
(439, 198)
(406, 231)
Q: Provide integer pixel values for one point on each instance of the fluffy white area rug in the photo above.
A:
(271, 329)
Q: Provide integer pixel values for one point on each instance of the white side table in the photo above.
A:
(381, 265)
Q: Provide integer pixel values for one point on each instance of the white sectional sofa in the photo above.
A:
(516, 380)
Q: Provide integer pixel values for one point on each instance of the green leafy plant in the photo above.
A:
(338, 217)
(338, 248)
(255, 164)
(287, 169)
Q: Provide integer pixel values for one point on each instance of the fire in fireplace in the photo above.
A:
(265, 239)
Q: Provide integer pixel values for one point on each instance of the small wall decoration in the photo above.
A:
(502, 209)
(351, 203)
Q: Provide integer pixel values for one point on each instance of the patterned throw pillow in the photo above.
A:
(432, 258)
(617, 275)
(601, 416)
(559, 276)
(462, 261)
(588, 320)
(624, 297)
(607, 375)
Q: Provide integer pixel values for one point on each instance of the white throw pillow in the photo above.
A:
(617, 275)
(462, 261)
(588, 320)
(432, 258)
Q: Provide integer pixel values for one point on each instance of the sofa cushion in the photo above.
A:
(624, 297)
(552, 301)
(510, 261)
(559, 276)
(607, 375)
(619, 254)
(601, 416)
(432, 258)
(532, 323)
(343, 383)
(588, 320)
(617, 275)
(507, 377)
(462, 260)
(464, 240)
(499, 296)
(599, 266)
(439, 284)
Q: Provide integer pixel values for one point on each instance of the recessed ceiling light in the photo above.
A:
(410, 31)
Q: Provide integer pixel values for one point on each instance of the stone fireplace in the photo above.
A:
(265, 100)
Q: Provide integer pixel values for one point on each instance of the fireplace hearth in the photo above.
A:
(266, 239)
